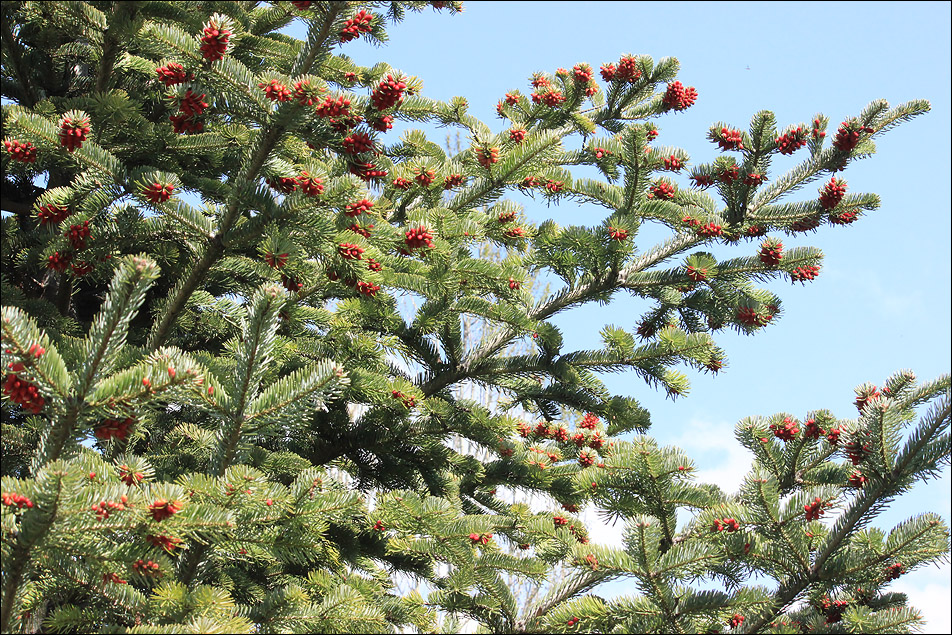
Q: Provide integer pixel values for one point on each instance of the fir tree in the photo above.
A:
(207, 370)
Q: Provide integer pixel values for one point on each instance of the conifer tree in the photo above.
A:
(207, 232)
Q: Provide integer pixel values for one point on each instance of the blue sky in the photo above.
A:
(882, 300)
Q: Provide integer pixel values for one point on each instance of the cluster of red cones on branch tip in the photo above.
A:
(480, 539)
(158, 192)
(367, 288)
(805, 224)
(78, 235)
(864, 395)
(771, 252)
(833, 609)
(52, 214)
(730, 525)
(113, 578)
(114, 428)
(358, 143)
(813, 430)
(487, 156)
(832, 193)
(424, 177)
(417, 237)
(129, 477)
(276, 91)
(162, 509)
(814, 510)
(214, 41)
(677, 97)
(751, 317)
(24, 393)
(617, 234)
(146, 568)
(847, 135)
(409, 401)
(754, 179)
(730, 139)
(360, 207)
(710, 230)
(790, 142)
(104, 509)
(358, 24)
(171, 74)
(310, 185)
(788, 431)
(856, 480)
(73, 132)
(661, 190)
(24, 152)
(388, 93)
(350, 251)
(166, 543)
(12, 499)
(802, 274)
(331, 107)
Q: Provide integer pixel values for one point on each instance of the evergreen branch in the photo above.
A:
(20, 333)
(536, 146)
(564, 591)
(325, 379)
(35, 525)
(109, 330)
(215, 248)
(12, 48)
(110, 44)
(852, 518)
(254, 358)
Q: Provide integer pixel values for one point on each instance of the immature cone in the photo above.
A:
(628, 70)
(730, 139)
(388, 93)
(790, 142)
(802, 274)
(358, 143)
(419, 237)
(276, 91)
(771, 252)
(24, 393)
(677, 97)
(158, 192)
(487, 156)
(73, 131)
(360, 23)
(171, 74)
(331, 107)
(51, 214)
(23, 152)
(832, 193)
(162, 509)
(788, 431)
(847, 136)
(311, 186)
(214, 41)
(661, 190)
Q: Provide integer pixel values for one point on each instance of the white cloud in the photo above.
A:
(601, 532)
(929, 596)
(719, 457)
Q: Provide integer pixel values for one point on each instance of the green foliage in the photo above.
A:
(190, 447)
